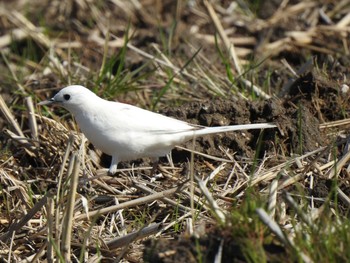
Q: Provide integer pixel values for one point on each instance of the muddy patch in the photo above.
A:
(297, 132)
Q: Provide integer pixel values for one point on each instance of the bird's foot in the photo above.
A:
(112, 169)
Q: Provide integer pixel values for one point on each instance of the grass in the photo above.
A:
(275, 206)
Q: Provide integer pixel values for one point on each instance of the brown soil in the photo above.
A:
(301, 102)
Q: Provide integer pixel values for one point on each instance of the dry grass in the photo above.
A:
(57, 201)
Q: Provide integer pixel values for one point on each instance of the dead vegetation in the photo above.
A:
(271, 196)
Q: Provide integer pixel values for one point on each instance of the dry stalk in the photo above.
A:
(273, 226)
(31, 116)
(131, 237)
(58, 226)
(334, 172)
(22, 22)
(212, 203)
(283, 13)
(304, 217)
(276, 229)
(343, 197)
(36, 208)
(25, 142)
(205, 155)
(68, 217)
(228, 44)
(333, 124)
(36, 257)
(50, 208)
(214, 173)
(344, 22)
(177, 220)
(230, 48)
(218, 255)
(271, 208)
(148, 190)
(144, 54)
(10, 118)
(131, 203)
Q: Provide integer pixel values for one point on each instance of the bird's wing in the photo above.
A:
(146, 121)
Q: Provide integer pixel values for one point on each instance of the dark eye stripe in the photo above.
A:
(66, 96)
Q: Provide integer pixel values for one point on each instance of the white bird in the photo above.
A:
(127, 132)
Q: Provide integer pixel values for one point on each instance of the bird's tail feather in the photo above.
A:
(220, 129)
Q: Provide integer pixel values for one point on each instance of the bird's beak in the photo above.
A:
(47, 102)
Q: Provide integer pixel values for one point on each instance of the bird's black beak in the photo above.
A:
(47, 102)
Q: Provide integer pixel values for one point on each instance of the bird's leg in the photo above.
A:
(114, 164)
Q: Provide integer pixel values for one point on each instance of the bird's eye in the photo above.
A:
(66, 96)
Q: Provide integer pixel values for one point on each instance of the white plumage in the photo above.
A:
(127, 132)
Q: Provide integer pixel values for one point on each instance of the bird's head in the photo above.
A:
(72, 98)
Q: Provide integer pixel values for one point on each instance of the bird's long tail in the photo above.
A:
(220, 129)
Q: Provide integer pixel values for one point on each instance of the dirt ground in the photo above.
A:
(303, 56)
